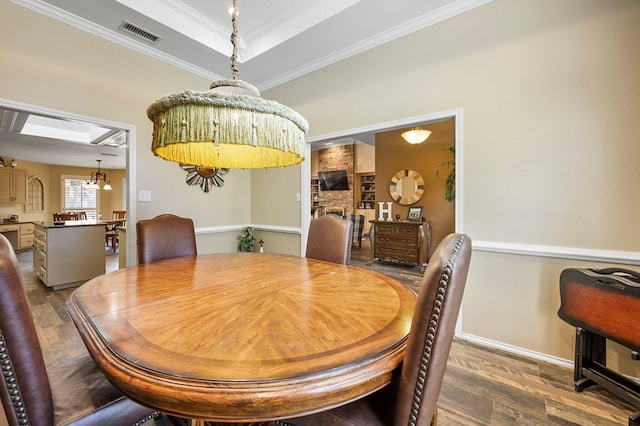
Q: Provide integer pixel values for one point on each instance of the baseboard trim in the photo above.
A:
(517, 350)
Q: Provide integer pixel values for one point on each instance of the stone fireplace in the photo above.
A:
(337, 158)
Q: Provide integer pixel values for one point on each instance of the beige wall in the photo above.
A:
(550, 96)
(276, 210)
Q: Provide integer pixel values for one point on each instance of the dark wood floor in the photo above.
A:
(482, 386)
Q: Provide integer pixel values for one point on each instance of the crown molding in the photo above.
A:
(420, 22)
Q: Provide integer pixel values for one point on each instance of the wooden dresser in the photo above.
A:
(401, 242)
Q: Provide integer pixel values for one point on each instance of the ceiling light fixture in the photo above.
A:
(229, 126)
(96, 177)
(416, 135)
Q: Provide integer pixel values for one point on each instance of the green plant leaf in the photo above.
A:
(246, 239)
(450, 181)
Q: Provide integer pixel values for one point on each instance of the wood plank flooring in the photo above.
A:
(482, 386)
(485, 386)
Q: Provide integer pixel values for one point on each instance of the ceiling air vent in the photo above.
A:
(135, 30)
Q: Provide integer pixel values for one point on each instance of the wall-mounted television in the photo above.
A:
(333, 181)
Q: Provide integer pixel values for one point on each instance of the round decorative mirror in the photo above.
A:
(204, 177)
(406, 187)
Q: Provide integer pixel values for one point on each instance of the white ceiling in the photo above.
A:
(279, 39)
(109, 148)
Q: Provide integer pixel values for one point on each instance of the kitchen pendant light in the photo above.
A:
(94, 180)
(229, 126)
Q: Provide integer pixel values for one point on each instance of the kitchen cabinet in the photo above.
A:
(11, 231)
(25, 236)
(401, 242)
(19, 234)
(13, 186)
(68, 255)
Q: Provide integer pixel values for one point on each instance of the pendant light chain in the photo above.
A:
(234, 40)
(229, 126)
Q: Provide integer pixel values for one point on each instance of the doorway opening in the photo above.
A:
(52, 150)
(368, 135)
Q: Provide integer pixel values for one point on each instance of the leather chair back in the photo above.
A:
(330, 239)
(24, 384)
(165, 236)
(72, 393)
(411, 398)
(432, 331)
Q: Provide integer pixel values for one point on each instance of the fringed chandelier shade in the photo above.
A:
(229, 126)
(94, 180)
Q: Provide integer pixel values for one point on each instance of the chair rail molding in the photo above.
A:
(575, 253)
(237, 228)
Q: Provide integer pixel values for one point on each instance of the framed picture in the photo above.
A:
(415, 214)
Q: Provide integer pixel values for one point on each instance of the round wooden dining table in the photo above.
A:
(244, 337)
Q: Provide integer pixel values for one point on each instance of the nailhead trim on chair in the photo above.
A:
(14, 391)
(151, 416)
(10, 381)
(433, 329)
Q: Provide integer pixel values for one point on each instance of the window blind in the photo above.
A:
(77, 197)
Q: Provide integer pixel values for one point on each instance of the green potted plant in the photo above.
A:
(246, 239)
(450, 181)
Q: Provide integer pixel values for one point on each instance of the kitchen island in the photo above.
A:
(68, 254)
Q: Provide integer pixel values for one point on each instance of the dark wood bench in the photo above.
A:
(603, 304)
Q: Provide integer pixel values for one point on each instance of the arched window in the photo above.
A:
(35, 195)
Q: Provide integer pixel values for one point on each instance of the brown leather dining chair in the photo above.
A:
(64, 216)
(329, 239)
(74, 392)
(165, 236)
(411, 398)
